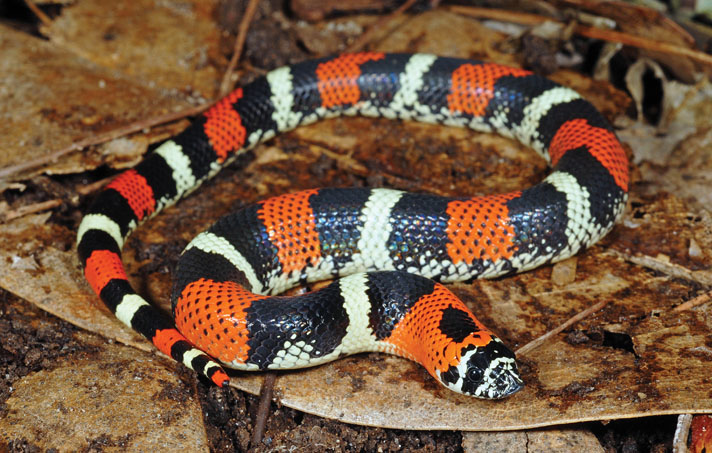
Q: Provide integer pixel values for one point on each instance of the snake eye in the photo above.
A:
(474, 375)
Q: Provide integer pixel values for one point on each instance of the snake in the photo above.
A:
(388, 252)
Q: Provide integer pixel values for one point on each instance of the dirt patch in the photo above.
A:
(228, 414)
(31, 341)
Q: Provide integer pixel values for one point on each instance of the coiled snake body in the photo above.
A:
(387, 244)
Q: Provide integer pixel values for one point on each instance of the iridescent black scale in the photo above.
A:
(248, 235)
(196, 146)
(456, 324)
(339, 221)
(392, 294)
(197, 264)
(379, 80)
(539, 220)
(596, 179)
(317, 320)
(418, 235)
(513, 94)
(256, 109)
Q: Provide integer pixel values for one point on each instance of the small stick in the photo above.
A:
(589, 32)
(643, 43)
(30, 209)
(250, 68)
(226, 85)
(501, 15)
(39, 13)
(366, 36)
(51, 204)
(679, 441)
(704, 277)
(89, 188)
(266, 392)
(692, 303)
(573, 320)
(103, 138)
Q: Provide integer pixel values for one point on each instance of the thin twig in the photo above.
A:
(381, 24)
(266, 392)
(226, 85)
(679, 441)
(573, 320)
(643, 43)
(89, 188)
(501, 15)
(51, 204)
(703, 277)
(249, 67)
(102, 138)
(39, 13)
(30, 209)
(692, 303)
(589, 32)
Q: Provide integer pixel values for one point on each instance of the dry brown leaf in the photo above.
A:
(433, 32)
(538, 441)
(58, 99)
(331, 37)
(117, 397)
(163, 45)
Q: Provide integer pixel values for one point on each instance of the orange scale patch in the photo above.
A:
(212, 316)
(220, 378)
(473, 86)
(418, 335)
(224, 127)
(165, 339)
(602, 144)
(135, 189)
(290, 224)
(337, 78)
(478, 229)
(103, 266)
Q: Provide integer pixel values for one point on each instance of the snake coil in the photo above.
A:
(387, 244)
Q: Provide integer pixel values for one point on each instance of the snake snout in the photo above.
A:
(501, 377)
(488, 372)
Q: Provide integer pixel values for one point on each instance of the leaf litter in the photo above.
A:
(622, 361)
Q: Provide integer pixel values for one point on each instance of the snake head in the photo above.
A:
(488, 371)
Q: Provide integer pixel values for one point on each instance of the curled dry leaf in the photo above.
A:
(701, 439)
